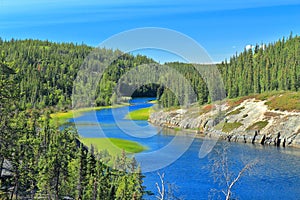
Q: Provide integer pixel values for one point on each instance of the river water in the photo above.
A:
(275, 176)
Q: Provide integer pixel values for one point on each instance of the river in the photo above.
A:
(275, 176)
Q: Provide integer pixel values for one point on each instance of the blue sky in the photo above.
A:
(221, 27)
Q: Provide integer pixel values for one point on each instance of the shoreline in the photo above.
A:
(61, 118)
(250, 121)
(200, 135)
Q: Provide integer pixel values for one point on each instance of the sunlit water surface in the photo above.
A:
(276, 176)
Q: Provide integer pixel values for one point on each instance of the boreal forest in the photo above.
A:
(38, 159)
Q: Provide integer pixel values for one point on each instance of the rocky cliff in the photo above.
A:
(251, 121)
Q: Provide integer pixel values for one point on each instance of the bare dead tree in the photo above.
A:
(166, 191)
(161, 189)
(221, 165)
(247, 167)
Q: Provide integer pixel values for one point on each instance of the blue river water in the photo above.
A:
(275, 176)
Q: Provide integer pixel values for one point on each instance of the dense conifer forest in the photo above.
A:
(46, 71)
(38, 160)
(265, 68)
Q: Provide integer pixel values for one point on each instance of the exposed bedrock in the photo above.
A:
(249, 122)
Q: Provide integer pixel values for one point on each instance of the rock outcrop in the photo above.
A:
(250, 122)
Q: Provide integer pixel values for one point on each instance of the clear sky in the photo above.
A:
(222, 27)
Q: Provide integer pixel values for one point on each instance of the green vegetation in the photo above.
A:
(236, 111)
(262, 70)
(45, 162)
(269, 69)
(219, 126)
(153, 101)
(114, 145)
(281, 100)
(60, 118)
(258, 125)
(232, 103)
(289, 101)
(140, 114)
(228, 127)
(266, 95)
(37, 78)
(46, 72)
(177, 129)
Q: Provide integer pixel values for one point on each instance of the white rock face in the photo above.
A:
(283, 128)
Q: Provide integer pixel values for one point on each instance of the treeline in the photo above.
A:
(46, 71)
(264, 68)
(38, 160)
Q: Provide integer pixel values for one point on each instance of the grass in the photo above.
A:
(276, 100)
(141, 114)
(228, 127)
(219, 126)
(153, 101)
(177, 129)
(267, 95)
(62, 117)
(232, 103)
(258, 125)
(289, 101)
(114, 146)
(236, 111)
(271, 114)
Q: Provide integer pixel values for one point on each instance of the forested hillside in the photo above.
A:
(264, 68)
(267, 68)
(46, 72)
(38, 160)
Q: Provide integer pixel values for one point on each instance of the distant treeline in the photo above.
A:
(46, 72)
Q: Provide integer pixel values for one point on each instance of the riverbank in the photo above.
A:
(114, 146)
(267, 119)
(61, 118)
(140, 114)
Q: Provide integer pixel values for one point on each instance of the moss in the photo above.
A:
(289, 101)
(236, 111)
(219, 126)
(177, 129)
(266, 95)
(276, 100)
(258, 125)
(228, 127)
